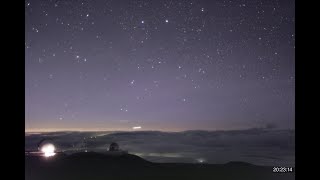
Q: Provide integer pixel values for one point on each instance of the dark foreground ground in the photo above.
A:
(94, 166)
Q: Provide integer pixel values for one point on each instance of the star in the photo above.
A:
(119, 55)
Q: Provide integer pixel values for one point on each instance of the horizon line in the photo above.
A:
(132, 130)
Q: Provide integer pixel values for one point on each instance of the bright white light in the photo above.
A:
(136, 127)
(48, 150)
(200, 160)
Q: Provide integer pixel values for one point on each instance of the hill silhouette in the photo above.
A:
(96, 166)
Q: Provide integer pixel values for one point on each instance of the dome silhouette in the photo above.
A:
(114, 147)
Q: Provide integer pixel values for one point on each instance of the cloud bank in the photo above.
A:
(263, 146)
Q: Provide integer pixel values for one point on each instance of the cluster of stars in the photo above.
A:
(153, 53)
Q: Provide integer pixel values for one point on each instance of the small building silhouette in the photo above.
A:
(114, 150)
(114, 147)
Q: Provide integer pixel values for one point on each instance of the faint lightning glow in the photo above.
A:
(48, 150)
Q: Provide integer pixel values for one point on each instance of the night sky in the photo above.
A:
(168, 65)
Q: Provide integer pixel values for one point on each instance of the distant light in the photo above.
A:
(48, 150)
(136, 127)
(167, 20)
(200, 160)
(142, 22)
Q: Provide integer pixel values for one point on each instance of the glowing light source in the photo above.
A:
(136, 127)
(48, 150)
(201, 160)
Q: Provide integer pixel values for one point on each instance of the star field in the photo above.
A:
(162, 65)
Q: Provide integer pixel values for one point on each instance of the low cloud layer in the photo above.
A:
(256, 146)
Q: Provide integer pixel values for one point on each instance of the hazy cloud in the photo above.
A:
(257, 146)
